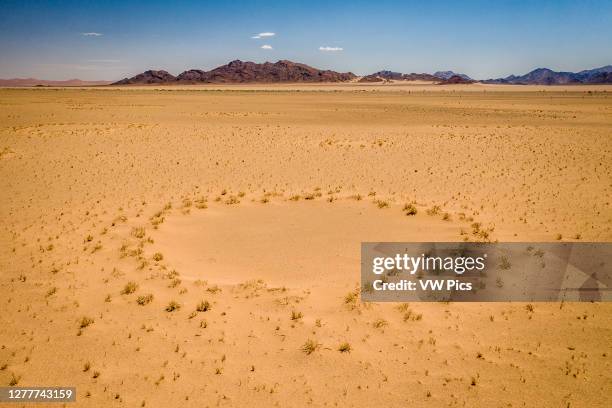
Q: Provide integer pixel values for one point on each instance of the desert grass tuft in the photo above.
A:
(409, 209)
(144, 299)
(129, 288)
(85, 321)
(204, 306)
(344, 347)
(310, 346)
(172, 306)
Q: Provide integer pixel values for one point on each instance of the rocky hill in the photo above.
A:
(244, 72)
(382, 76)
(446, 75)
(148, 77)
(545, 76)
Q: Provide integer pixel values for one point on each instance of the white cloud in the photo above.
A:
(263, 35)
(92, 34)
(266, 47)
(330, 49)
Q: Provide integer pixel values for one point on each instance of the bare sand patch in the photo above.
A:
(306, 244)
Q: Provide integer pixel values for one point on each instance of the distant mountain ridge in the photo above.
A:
(382, 76)
(285, 71)
(243, 72)
(44, 82)
(446, 75)
(545, 76)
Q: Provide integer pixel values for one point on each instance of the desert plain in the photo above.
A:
(199, 246)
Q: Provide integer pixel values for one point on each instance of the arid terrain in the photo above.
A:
(199, 246)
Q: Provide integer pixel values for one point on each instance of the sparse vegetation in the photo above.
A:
(409, 209)
(310, 346)
(379, 323)
(172, 306)
(138, 232)
(381, 204)
(14, 380)
(143, 300)
(203, 306)
(344, 347)
(129, 288)
(435, 210)
(85, 322)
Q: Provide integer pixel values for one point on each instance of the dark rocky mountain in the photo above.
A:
(545, 76)
(148, 77)
(446, 75)
(241, 72)
(382, 76)
(456, 79)
(282, 71)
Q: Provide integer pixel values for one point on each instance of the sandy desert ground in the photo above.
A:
(199, 246)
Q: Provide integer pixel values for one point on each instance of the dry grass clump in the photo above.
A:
(200, 203)
(381, 204)
(351, 299)
(310, 346)
(344, 347)
(144, 299)
(172, 306)
(435, 210)
(413, 317)
(213, 289)
(158, 256)
(14, 380)
(138, 232)
(379, 323)
(174, 283)
(85, 321)
(409, 209)
(204, 306)
(409, 315)
(295, 197)
(51, 292)
(157, 219)
(232, 200)
(129, 288)
(479, 232)
(504, 263)
(296, 315)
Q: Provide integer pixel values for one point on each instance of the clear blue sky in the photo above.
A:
(48, 39)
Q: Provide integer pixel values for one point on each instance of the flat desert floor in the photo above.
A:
(199, 246)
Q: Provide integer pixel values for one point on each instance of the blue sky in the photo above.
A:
(48, 39)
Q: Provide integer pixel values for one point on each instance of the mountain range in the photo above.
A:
(285, 71)
(44, 82)
(242, 72)
(545, 76)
